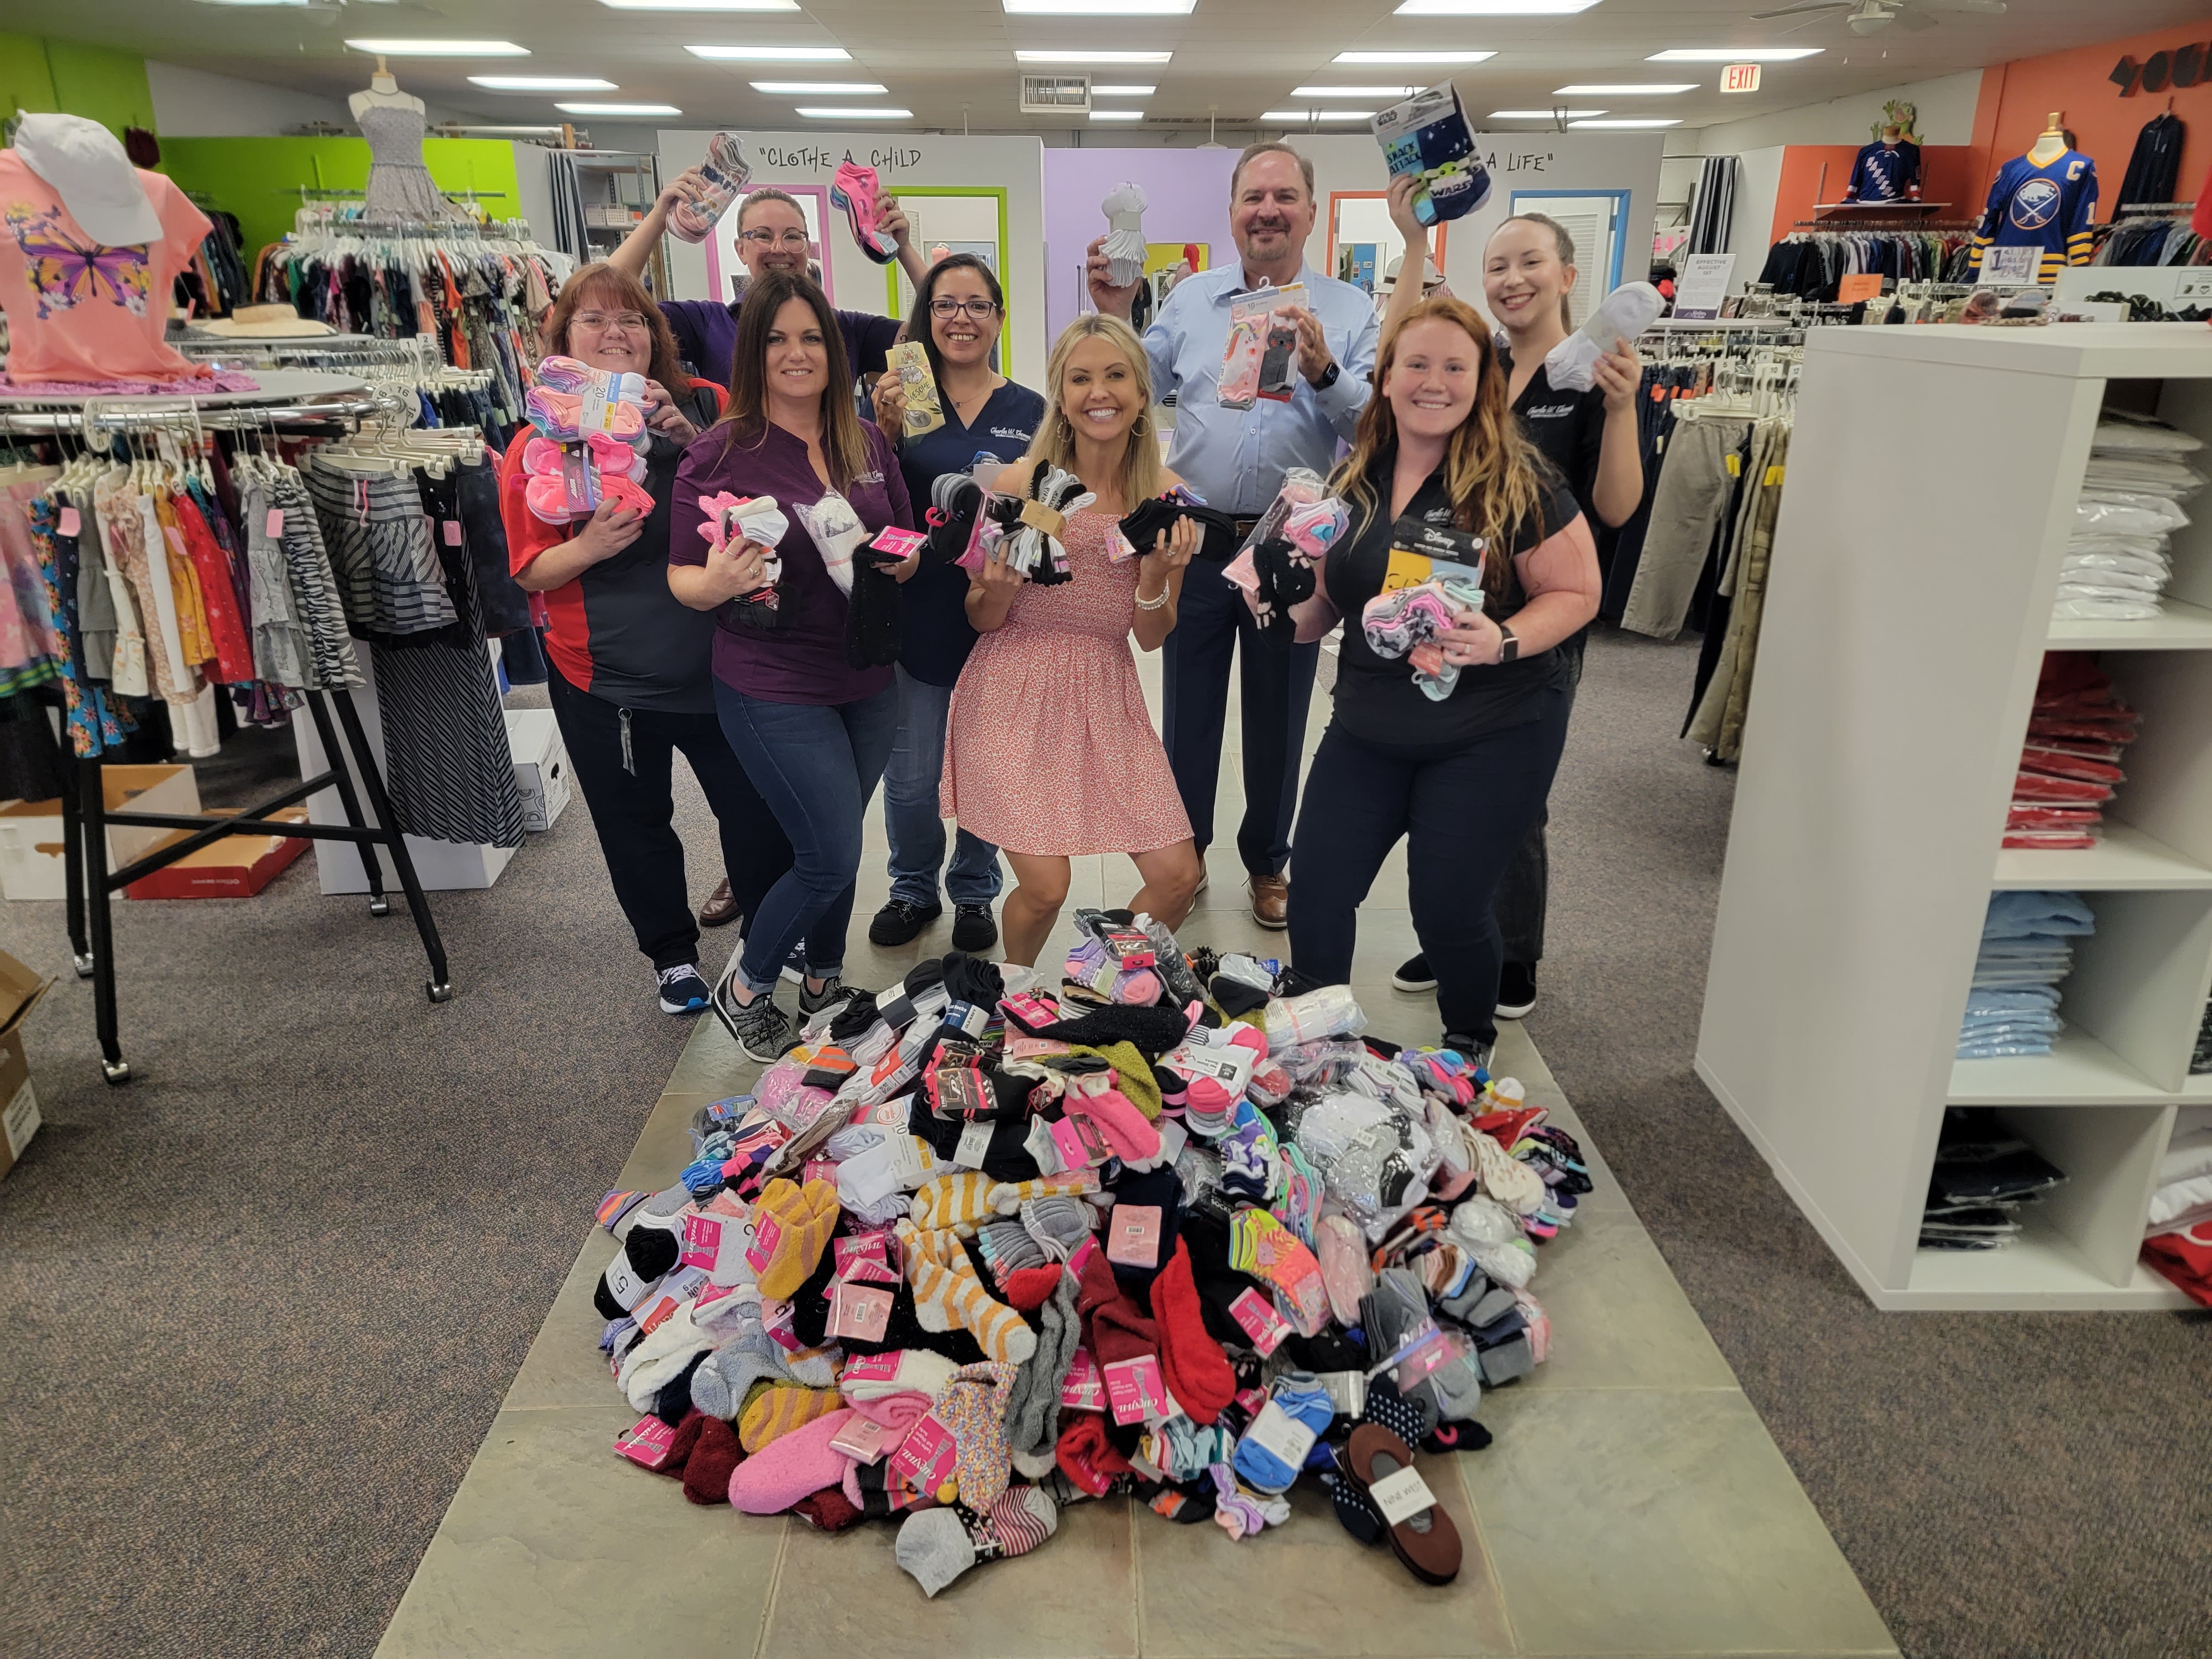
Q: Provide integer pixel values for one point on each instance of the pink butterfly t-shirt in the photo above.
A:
(77, 309)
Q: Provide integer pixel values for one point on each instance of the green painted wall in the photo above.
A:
(41, 75)
(259, 179)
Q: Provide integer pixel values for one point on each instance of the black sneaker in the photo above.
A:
(682, 990)
(761, 1029)
(812, 1003)
(1413, 974)
(900, 921)
(1516, 989)
(973, 929)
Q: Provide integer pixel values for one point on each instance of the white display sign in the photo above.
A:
(1739, 77)
(2018, 266)
(1702, 284)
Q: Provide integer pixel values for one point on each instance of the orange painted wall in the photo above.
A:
(1948, 174)
(2015, 97)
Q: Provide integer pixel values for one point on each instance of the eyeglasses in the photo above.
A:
(982, 310)
(772, 239)
(598, 322)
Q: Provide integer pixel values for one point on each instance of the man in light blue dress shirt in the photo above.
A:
(1236, 458)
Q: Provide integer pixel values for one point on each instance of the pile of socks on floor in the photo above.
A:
(973, 1252)
(2178, 1235)
(2027, 947)
(1984, 1176)
(2117, 563)
(2077, 731)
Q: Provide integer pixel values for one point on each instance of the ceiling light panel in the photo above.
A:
(821, 88)
(771, 54)
(1733, 54)
(838, 113)
(1117, 115)
(1493, 7)
(1624, 124)
(702, 5)
(1401, 58)
(1543, 114)
(618, 109)
(1078, 56)
(441, 48)
(1098, 8)
(541, 83)
(1602, 89)
(1300, 116)
(1350, 92)
(1122, 92)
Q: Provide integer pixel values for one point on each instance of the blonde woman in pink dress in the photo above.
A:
(1050, 751)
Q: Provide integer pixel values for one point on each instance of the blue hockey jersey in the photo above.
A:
(2049, 207)
(1884, 173)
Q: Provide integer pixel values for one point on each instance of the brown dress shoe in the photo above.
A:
(720, 909)
(1271, 901)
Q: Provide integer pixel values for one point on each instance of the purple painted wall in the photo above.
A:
(1189, 193)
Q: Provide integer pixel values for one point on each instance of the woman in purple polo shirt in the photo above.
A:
(812, 732)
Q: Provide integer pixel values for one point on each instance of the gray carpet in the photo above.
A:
(260, 1306)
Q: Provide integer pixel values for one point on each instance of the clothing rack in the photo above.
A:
(90, 883)
(1857, 225)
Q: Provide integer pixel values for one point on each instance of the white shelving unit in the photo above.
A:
(1907, 613)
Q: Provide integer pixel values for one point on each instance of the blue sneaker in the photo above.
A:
(682, 990)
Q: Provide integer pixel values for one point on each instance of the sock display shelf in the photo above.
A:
(1907, 615)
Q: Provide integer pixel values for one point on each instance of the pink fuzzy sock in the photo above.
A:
(1127, 1131)
(792, 1467)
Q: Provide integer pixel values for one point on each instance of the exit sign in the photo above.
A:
(1739, 77)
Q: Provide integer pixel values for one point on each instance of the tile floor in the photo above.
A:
(1632, 1504)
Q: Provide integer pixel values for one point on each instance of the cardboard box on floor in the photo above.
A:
(31, 862)
(237, 867)
(20, 991)
(541, 765)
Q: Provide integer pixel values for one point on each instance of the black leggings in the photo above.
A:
(634, 811)
(1464, 813)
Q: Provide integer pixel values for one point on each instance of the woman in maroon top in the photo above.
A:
(813, 732)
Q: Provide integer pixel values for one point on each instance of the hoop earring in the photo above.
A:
(1141, 427)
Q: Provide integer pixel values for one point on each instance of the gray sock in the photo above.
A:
(1508, 1360)
(717, 1387)
(1058, 1222)
(935, 1548)
(1033, 1415)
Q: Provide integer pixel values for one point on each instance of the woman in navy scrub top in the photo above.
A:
(958, 312)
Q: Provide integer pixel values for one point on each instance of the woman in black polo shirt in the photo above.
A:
(1528, 272)
(1460, 776)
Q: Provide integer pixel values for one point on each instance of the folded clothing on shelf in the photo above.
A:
(2012, 1006)
(2116, 564)
(1983, 1174)
(2077, 731)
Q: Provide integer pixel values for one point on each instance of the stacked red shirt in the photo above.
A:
(2077, 731)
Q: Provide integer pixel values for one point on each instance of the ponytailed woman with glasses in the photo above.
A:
(959, 312)
(632, 680)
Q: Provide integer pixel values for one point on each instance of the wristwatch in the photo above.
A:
(1509, 651)
(1327, 378)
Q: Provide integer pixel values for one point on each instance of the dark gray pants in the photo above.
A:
(1525, 888)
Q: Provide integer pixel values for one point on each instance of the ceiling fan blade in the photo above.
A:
(1811, 9)
(1915, 21)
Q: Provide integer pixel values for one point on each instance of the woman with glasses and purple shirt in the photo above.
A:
(771, 238)
(631, 681)
(958, 313)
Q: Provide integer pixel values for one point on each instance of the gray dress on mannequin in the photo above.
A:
(400, 188)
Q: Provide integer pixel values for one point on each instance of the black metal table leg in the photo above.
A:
(439, 986)
(350, 803)
(73, 877)
(94, 842)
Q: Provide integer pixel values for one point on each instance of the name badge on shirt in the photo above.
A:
(1417, 548)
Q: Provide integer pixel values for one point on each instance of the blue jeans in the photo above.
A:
(816, 768)
(910, 814)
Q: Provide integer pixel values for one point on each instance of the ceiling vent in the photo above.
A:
(1056, 94)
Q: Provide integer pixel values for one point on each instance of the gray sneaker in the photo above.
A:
(812, 1003)
(761, 1029)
